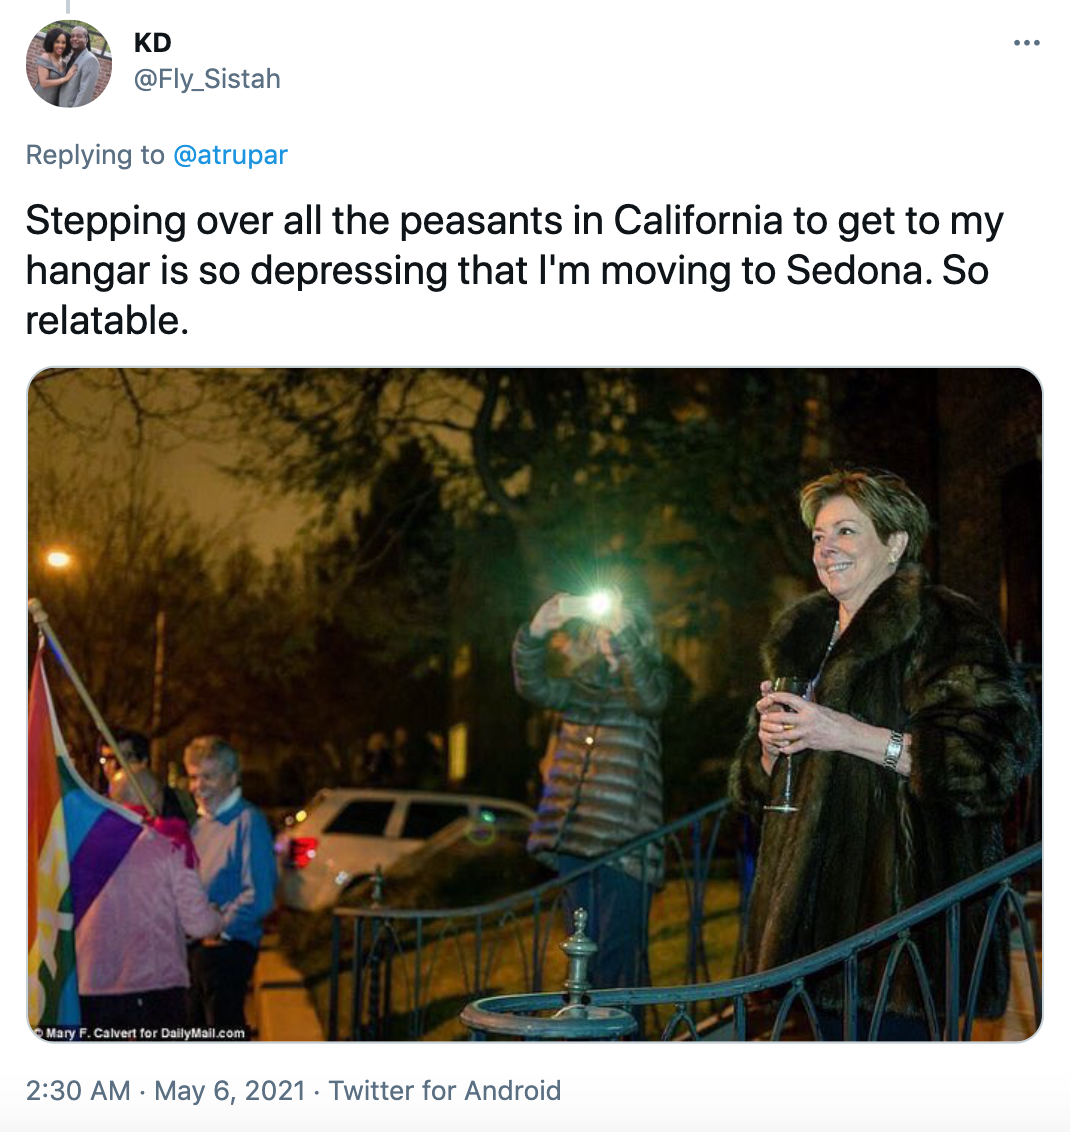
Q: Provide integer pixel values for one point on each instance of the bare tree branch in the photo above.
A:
(481, 447)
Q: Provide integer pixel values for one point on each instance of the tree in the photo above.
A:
(382, 594)
(132, 555)
(453, 501)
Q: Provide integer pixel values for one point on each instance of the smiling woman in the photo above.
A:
(914, 733)
(854, 553)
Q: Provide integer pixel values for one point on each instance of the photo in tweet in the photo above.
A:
(409, 704)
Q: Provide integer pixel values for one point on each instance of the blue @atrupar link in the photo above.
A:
(187, 155)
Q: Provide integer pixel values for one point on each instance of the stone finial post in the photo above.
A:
(580, 949)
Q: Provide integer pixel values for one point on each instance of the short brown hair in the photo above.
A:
(883, 496)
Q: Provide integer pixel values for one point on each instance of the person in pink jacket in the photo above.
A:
(131, 942)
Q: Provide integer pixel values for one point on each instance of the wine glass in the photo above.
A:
(798, 687)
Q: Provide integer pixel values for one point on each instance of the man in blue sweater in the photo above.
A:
(237, 869)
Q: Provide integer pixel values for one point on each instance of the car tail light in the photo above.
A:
(302, 850)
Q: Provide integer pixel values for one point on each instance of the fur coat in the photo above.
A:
(604, 783)
(867, 842)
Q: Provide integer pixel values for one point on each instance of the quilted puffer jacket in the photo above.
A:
(604, 785)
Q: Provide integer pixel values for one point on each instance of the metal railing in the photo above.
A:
(400, 965)
(519, 1015)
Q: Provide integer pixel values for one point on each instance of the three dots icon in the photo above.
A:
(1035, 42)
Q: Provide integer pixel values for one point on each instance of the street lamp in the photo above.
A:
(59, 559)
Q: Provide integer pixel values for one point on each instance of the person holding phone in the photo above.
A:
(602, 785)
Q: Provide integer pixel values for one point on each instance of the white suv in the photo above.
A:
(343, 834)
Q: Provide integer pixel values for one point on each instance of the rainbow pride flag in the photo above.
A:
(76, 840)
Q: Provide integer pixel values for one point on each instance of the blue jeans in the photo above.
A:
(615, 921)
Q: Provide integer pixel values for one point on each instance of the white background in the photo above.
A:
(481, 106)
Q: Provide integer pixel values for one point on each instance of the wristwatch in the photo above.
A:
(893, 750)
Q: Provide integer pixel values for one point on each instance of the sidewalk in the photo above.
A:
(1017, 1024)
(279, 1006)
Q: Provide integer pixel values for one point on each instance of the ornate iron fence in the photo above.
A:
(526, 1016)
(400, 966)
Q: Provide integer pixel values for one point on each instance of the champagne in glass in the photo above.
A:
(797, 686)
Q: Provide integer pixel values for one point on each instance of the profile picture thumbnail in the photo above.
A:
(68, 63)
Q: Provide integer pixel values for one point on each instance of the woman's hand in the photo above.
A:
(811, 727)
(45, 81)
(770, 752)
(549, 617)
(790, 724)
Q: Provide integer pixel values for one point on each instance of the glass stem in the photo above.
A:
(787, 782)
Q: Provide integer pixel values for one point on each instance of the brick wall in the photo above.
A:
(35, 50)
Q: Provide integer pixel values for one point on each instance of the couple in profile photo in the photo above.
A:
(67, 69)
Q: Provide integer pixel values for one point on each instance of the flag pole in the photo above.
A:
(44, 626)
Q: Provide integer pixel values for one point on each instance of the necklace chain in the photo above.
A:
(821, 667)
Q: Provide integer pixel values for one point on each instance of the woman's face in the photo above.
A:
(850, 559)
(60, 47)
(586, 645)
